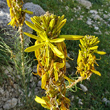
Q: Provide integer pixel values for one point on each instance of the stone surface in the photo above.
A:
(10, 104)
(84, 88)
(36, 9)
(34, 69)
(39, 84)
(93, 12)
(67, 65)
(80, 102)
(85, 3)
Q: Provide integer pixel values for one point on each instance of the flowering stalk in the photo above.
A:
(17, 19)
(50, 51)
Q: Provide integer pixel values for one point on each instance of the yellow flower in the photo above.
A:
(86, 58)
(16, 12)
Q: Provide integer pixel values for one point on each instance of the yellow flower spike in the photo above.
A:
(39, 100)
(100, 52)
(71, 37)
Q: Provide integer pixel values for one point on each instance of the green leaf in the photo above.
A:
(71, 37)
(33, 36)
(34, 48)
(57, 40)
(56, 51)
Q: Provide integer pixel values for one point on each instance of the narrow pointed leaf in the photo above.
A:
(33, 36)
(39, 100)
(56, 51)
(34, 48)
(71, 37)
(96, 72)
(57, 40)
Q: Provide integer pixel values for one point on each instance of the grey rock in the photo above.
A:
(84, 88)
(3, 4)
(93, 12)
(89, 22)
(66, 8)
(36, 9)
(67, 65)
(96, 17)
(105, 16)
(1, 91)
(39, 84)
(96, 28)
(72, 97)
(85, 3)
(10, 104)
(34, 69)
(15, 86)
(104, 100)
(80, 102)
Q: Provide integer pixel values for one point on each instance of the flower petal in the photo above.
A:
(33, 48)
(57, 40)
(39, 100)
(96, 72)
(31, 26)
(27, 11)
(33, 36)
(56, 51)
(71, 37)
(100, 52)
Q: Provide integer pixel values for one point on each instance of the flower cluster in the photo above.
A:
(50, 51)
(16, 12)
(86, 58)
